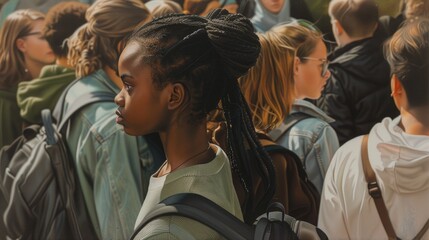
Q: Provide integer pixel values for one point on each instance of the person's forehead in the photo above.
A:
(131, 52)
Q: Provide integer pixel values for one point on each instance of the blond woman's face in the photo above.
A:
(309, 81)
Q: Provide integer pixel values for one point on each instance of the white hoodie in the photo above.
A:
(401, 164)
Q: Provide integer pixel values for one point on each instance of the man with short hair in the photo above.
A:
(357, 95)
(398, 153)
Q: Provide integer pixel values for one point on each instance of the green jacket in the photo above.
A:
(43, 92)
(10, 121)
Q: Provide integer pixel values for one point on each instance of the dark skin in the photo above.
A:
(145, 108)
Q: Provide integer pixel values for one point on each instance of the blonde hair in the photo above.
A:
(269, 86)
(12, 63)
(96, 43)
(159, 8)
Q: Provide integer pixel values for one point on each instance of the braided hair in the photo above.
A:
(208, 55)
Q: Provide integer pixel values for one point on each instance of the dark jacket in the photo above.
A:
(358, 93)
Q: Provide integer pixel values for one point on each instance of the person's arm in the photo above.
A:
(322, 151)
(331, 213)
(113, 173)
(335, 103)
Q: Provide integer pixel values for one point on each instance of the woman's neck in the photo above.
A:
(33, 68)
(185, 145)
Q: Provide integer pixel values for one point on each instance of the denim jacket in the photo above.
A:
(313, 140)
(113, 168)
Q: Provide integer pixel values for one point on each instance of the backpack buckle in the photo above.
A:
(374, 190)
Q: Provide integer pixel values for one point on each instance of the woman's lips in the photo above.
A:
(119, 118)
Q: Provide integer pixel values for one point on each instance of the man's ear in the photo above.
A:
(397, 92)
(338, 27)
(396, 86)
(177, 96)
(21, 45)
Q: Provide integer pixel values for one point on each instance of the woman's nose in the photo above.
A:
(327, 74)
(119, 99)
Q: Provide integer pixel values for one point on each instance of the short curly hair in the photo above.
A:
(61, 22)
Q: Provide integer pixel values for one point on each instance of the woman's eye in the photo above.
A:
(128, 87)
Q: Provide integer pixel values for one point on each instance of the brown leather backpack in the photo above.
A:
(293, 189)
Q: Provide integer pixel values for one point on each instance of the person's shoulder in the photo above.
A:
(316, 115)
(347, 157)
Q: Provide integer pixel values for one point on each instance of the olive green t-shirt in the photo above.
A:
(212, 180)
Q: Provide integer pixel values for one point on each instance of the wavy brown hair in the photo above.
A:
(12, 64)
(96, 43)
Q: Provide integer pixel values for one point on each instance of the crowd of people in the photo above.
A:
(178, 66)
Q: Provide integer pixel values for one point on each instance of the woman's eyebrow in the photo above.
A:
(125, 76)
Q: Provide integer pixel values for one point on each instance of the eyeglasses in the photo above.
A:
(30, 34)
(325, 64)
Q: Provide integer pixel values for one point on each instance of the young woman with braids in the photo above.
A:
(175, 70)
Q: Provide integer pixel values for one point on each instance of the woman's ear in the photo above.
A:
(296, 66)
(21, 45)
(177, 96)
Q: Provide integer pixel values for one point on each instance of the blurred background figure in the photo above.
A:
(160, 8)
(23, 53)
(43, 6)
(200, 7)
(409, 9)
(268, 13)
(43, 92)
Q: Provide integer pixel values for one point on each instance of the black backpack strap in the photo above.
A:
(200, 209)
(287, 124)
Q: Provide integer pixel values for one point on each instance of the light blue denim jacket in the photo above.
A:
(108, 162)
(313, 140)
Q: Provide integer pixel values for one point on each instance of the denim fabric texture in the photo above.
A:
(313, 140)
(113, 168)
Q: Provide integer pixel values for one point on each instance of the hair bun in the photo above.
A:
(233, 37)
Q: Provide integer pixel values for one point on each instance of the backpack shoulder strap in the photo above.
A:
(85, 100)
(81, 102)
(200, 209)
(374, 191)
(272, 148)
(287, 124)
